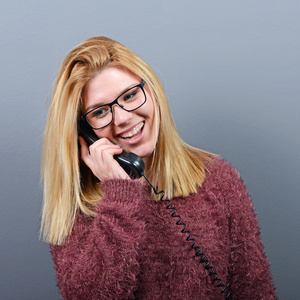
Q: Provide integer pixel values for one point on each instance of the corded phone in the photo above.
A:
(134, 167)
(132, 164)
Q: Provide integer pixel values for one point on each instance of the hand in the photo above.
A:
(99, 158)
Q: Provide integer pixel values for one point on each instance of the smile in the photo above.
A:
(134, 133)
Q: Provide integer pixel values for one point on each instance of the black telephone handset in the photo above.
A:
(132, 164)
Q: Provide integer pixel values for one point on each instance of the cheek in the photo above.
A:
(153, 113)
(154, 126)
(149, 108)
(103, 133)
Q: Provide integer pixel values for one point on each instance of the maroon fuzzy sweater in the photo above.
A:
(134, 250)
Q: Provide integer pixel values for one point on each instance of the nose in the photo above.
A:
(121, 116)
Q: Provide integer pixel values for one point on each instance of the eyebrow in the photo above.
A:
(91, 107)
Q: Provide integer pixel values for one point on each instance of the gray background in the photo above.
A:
(231, 71)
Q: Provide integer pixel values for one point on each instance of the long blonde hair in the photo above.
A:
(69, 186)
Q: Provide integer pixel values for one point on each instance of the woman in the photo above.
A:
(110, 237)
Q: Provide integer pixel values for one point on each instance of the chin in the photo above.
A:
(144, 153)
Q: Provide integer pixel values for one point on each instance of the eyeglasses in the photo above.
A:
(129, 100)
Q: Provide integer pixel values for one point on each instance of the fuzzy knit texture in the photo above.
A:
(133, 248)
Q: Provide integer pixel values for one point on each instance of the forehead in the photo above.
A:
(108, 84)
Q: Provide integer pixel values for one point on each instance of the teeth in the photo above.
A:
(133, 132)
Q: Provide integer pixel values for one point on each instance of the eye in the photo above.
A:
(130, 95)
(100, 112)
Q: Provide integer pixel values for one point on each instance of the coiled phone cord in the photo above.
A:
(211, 272)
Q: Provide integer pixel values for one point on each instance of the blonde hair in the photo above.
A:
(69, 185)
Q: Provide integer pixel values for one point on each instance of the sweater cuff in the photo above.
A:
(122, 190)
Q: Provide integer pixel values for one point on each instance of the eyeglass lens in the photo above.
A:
(130, 100)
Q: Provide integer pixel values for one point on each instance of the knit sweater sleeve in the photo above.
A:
(100, 260)
(250, 277)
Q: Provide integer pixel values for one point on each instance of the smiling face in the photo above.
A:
(134, 131)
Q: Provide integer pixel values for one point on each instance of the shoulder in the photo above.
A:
(224, 180)
(221, 170)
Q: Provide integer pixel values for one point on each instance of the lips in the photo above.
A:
(134, 132)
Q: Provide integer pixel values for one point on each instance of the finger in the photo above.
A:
(99, 158)
(104, 155)
(104, 148)
(103, 141)
(108, 153)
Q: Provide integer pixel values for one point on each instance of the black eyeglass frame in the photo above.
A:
(141, 85)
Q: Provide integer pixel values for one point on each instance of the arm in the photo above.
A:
(100, 260)
(250, 277)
